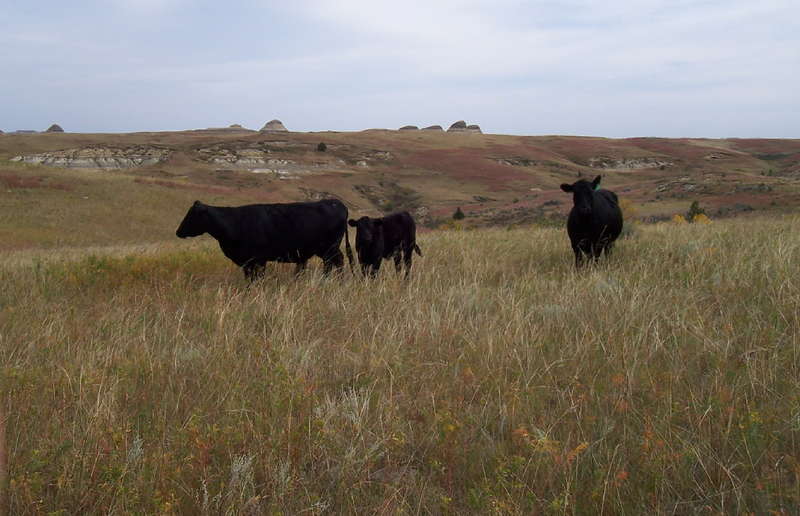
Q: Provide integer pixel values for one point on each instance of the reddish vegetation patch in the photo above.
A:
(16, 182)
(468, 165)
(676, 148)
(579, 150)
(773, 146)
(528, 149)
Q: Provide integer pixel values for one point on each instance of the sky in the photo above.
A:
(614, 68)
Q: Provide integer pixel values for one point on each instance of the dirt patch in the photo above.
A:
(389, 197)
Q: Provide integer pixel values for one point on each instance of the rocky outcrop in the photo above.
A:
(246, 158)
(409, 128)
(433, 128)
(107, 158)
(462, 127)
(55, 128)
(274, 126)
(458, 127)
(607, 163)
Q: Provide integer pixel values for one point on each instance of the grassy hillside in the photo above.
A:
(497, 180)
(152, 380)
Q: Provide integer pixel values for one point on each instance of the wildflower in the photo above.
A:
(572, 455)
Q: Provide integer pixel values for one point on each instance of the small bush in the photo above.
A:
(322, 147)
(678, 219)
(694, 210)
(458, 215)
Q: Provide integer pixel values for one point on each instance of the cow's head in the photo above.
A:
(582, 192)
(195, 222)
(368, 233)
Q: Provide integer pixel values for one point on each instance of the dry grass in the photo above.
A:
(496, 380)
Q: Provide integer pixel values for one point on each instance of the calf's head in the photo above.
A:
(582, 192)
(368, 234)
(195, 222)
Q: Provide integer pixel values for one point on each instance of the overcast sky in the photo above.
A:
(606, 68)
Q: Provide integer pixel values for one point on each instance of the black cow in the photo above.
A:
(381, 238)
(255, 234)
(595, 220)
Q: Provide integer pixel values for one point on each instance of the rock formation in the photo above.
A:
(274, 126)
(609, 163)
(98, 157)
(458, 127)
(409, 128)
(433, 128)
(462, 127)
(55, 128)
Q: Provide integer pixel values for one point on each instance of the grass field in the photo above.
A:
(151, 379)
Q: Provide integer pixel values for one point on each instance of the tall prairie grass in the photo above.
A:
(497, 379)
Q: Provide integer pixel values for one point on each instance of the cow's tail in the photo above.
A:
(417, 249)
(348, 249)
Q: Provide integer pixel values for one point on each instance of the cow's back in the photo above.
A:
(399, 231)
(292, 231)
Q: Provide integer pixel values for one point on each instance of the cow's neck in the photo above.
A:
(219, 225)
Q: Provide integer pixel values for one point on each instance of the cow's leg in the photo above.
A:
(578, 258)
(407, 252)
(335, 259)
(376, 267)
(300, 267)
(397, 257)
(253, 271)
(577, 249)
(597, 250)
(249, 274)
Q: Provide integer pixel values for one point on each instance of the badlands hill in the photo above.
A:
(79, 189)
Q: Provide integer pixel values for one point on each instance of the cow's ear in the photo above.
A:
(596, 183)
(352, 222)
(566, 187)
